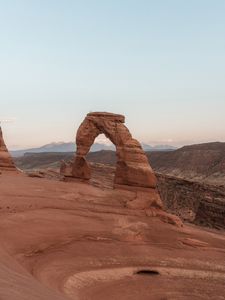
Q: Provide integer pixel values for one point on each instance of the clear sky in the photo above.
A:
(159, 62)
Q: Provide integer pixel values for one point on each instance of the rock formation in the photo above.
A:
(132, 167)
(6, 162)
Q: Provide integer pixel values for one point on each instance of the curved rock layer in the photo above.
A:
(132, 167)
(71, 240)
(6, 162)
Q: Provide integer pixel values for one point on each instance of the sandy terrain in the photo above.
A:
(71, 240)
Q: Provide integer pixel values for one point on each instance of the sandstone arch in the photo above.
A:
(132, 168)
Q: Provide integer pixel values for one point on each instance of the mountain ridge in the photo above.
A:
(71, 147)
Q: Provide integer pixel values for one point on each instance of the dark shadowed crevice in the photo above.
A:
(147, 272)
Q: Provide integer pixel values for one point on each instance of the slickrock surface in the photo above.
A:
(193, 202)
(72, 240)
(6, 162)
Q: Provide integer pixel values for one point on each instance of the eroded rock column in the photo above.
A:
(6, 162)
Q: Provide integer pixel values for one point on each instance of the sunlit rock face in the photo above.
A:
(132, 167)
(6, 162)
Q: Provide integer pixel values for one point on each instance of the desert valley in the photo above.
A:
(118, 225)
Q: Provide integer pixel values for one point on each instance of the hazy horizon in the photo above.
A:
(160, 63)
(106, 141)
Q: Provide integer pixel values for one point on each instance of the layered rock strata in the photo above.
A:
(132, 167)
(193, 201)
(6, 162)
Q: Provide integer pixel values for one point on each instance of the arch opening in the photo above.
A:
(102, 161)
(132, 166)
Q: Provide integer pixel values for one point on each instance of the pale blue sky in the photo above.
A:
(161, 63)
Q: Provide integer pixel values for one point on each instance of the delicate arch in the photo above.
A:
(132, 167)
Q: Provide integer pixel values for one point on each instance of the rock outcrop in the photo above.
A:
(6, 162)
(132, 167)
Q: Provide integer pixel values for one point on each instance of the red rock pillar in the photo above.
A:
(6, 162)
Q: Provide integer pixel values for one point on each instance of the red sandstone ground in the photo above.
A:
(71, 240)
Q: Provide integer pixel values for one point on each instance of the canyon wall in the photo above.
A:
(194, 202)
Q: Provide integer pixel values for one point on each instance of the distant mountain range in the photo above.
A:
(70, 147)
(147, 147)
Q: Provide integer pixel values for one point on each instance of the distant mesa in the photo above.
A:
(6, 162)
